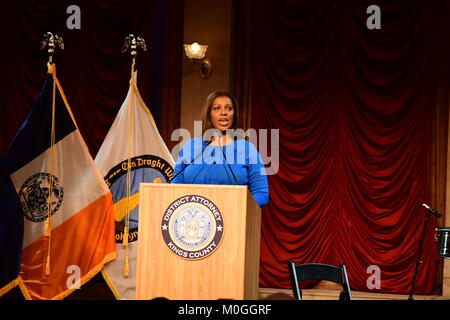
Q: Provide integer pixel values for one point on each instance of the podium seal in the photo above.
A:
(192, 227)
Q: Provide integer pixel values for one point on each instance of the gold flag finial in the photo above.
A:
(133, 43)
(52, 42)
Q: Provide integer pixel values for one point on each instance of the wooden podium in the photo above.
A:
(164, 270)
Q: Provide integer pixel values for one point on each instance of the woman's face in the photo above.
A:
(222, 113)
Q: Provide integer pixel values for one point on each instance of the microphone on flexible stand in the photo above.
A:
(436, 213)
(229, 167)
(200, 153)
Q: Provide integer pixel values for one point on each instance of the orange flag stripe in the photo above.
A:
(77, 242)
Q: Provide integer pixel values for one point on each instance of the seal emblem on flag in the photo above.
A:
(39, 194)
(192, 227)
(144, 168)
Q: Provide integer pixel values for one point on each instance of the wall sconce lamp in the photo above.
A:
(196, 54)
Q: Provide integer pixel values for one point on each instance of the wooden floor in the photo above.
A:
(333, 294)
(97, 289)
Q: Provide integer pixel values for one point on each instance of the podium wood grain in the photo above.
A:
(230, 272)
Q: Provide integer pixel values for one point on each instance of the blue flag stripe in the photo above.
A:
(36, 129)
(11, 230)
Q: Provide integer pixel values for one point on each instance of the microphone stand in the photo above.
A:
(419, 262)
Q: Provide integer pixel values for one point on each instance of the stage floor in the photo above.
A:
(333, 294)
(97, 289)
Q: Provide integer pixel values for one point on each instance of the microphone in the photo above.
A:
(201, 152)
(229, 167)
(436, 213)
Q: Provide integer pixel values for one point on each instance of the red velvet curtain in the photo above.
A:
(354, 108)
(92, 70)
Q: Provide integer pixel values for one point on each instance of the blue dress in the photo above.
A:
(237, 163)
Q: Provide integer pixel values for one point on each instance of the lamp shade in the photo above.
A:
(195, 50)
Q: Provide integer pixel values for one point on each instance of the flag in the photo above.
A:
(133, 152)
(67, 206)
(11, 233)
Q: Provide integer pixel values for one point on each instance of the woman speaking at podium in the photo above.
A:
(221, 156)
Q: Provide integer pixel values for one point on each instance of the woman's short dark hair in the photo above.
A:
(206, 113)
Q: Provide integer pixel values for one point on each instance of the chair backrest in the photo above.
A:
(319, 271)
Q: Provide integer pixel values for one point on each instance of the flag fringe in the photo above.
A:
(8, 287)
(146, 109)
(88, 276)
(23, 289)
(111, 285)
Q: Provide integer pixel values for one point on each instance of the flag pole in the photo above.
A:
(132, 43)
(52, 42)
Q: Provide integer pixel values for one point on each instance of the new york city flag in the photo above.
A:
(67, 206)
